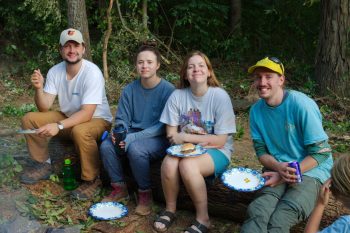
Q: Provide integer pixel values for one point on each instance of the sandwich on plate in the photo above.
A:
(188, 148)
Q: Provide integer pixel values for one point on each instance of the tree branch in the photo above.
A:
(123, 21)
(106, 39)
(153, 36)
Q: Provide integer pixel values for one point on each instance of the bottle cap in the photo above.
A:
(67, 162)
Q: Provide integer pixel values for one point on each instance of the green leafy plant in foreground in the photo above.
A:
(9, 168)
(10, 110)
(47, 207)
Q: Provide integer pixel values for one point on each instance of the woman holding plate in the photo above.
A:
(199, 112)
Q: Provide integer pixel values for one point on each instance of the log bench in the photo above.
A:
(222, 202)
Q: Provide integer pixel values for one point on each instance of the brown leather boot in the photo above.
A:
(87, 190)
(119, 193)
(144, 206)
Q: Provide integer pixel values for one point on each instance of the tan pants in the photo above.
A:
(85, 137)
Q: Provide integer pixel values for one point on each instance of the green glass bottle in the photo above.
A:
(69, 181)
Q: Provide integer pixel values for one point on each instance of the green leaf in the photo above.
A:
(32, 199)
(18, 168)
(59, 211)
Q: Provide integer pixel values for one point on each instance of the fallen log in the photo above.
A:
(222, 202)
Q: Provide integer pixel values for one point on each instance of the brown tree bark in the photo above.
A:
(144, 15)
(332, 62)
(77, 19)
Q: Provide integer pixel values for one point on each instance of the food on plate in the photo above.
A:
(193, 129)
(187, 148)
(246, 180)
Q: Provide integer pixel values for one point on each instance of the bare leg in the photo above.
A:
(193, 171)
(171, 185)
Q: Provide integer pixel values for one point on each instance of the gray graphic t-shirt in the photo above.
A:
(208, 114)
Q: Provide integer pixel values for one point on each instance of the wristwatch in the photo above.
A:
(60, 125)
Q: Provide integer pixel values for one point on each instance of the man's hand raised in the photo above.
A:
(37, 79)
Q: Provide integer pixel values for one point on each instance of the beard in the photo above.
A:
(72, 62)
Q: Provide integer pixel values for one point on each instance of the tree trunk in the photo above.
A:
(77, 19)
(144, 15)
(332, 62)
(235, 15)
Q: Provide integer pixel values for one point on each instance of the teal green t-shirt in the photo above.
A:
(287, 129)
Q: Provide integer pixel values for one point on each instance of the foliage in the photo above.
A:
(9, 168)
(194, 29)
(9, 110)
(282, 28)
(241, 123)
(240, 132)
(54, 209)
(14, 89)
(21, 20)
(336, 125)
(266, 28)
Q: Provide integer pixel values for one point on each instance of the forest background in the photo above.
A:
(311, 38)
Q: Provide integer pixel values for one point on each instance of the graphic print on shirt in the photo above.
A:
(193, 123)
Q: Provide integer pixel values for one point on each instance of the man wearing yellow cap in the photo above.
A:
(285, 126)
(84, 113)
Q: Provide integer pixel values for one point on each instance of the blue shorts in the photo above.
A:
(220, 161)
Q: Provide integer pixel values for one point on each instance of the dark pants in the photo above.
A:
(140, 155)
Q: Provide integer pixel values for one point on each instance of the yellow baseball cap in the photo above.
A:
(271, 63)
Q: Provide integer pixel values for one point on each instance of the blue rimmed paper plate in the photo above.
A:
(243, 179)
(108, 210)
(176, 151)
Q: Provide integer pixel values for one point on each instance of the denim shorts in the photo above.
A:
(220, 161)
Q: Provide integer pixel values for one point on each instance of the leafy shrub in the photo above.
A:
(10, 110)
(9, 168)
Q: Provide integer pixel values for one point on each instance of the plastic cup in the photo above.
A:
(119, 135)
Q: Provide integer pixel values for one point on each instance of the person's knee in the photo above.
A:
(135, 153)
(80, 133)
(188, 169)
(169, 168)
(286, 215)
(255, 209)
(27, 119)
(106, 147)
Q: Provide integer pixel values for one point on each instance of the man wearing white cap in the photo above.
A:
(285, 126)
(83, 117)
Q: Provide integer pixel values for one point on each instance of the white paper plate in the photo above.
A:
(27, 131)
(176, 151)
(108, 210)
(243, 179)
